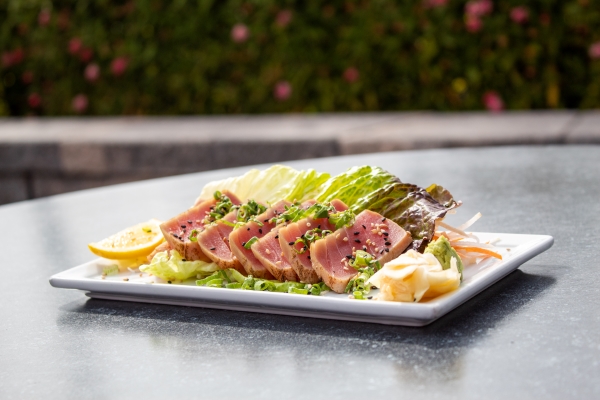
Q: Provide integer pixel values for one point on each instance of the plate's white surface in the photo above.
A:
(516, 249)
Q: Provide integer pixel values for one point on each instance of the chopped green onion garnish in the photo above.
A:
(233, 279)
(296, 290)
(234, 285)
(250, 242)
(110, 270)
(193, 235)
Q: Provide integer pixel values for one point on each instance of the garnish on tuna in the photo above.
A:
(239, 238)
(331, 256)
(268, 249)
(181, 231)
(292, 239)
(214, 240)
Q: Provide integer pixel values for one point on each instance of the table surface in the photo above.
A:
(536, 333)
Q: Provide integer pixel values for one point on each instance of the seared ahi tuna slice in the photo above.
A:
(164, 246)
(214, 242)
(301, 260)
(268, 251)
(178, 230)
(379, 236)
(242, 235)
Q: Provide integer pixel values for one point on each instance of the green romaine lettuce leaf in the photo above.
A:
(271, 185)
(354, 184)
(172, 268)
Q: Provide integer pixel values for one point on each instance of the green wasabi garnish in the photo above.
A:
(443, 251)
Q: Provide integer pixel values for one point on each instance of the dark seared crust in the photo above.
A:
(306, 275)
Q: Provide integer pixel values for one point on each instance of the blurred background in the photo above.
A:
(111, 62)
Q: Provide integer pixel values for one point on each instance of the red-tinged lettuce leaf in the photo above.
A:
(411, 207)
(442, 196)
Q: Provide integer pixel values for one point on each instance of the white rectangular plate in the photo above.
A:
(516, 249)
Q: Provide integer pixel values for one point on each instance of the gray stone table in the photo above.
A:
(535, 334)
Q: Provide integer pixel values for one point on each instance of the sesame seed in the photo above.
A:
(247, 229)
(308, 257)
(260, 231)
(308, 224)
(356, 233)
(388, 244)
(213, 248)
(345, 239)
(387, 250)
(364, 227)
(126, 279)
(291, 243)
(268, 251)
(357, 240)
(276, 236)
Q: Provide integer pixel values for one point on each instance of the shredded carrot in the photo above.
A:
(479, 250)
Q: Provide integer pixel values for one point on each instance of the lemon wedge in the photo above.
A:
(134, 242)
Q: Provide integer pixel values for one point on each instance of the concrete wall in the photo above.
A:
(42, 157)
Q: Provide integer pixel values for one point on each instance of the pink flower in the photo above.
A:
(44, 17)
(594, 50)
(240, 33)
(18, 55)
(435, 3)
(282, 90)
(75, 45)
(351, 74)
(493, 101)
(473, 24)
(27, 77)
(479, 7)
(519, 14)
(34, 100)
(79, 103)
(86, 54)
(92, 72)
(119, 65)
(283, 18)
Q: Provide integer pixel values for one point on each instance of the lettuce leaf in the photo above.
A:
(271, 185)
(411, 207)
(354, 184)
(172, 268)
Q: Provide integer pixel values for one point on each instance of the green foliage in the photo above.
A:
(181, 57)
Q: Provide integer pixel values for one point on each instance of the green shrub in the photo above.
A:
(206, 56)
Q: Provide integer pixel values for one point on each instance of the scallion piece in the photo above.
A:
(250, 242)
(234, 285)
(217, 282)
(110, 270)
(295, 290)
(202, 282)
